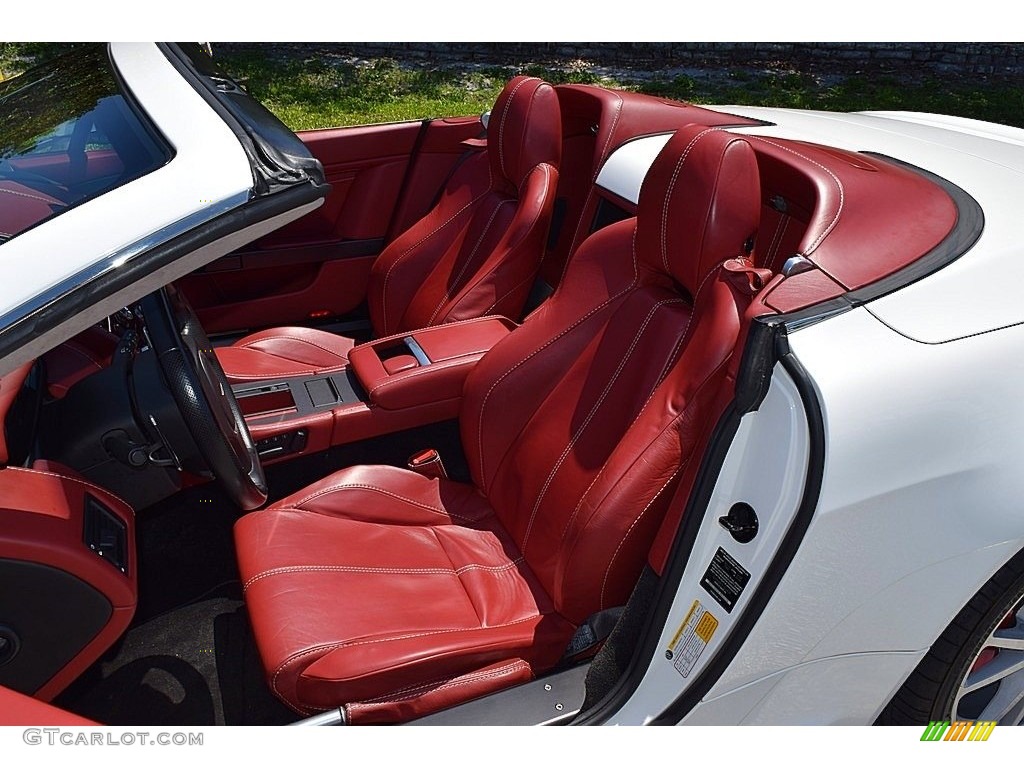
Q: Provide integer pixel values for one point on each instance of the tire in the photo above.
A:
(933, 687)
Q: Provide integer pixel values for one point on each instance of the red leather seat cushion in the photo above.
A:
(377, 576)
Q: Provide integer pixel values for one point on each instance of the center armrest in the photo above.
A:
(426, 365)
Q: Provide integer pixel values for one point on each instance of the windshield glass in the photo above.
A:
(67, 135)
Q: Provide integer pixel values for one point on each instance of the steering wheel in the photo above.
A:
(204, 397)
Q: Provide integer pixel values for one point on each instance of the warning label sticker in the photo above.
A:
(725, 579)
(691, 638)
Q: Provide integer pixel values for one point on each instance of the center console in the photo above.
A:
(390, 384)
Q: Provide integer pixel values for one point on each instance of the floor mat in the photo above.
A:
(195, 665)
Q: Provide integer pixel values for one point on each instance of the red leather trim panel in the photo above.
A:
(254, 298)
(78, 357)
(10, 385)
(19, 709)
(41, 521)
(453, 350)
(282, 353)
(856, 203)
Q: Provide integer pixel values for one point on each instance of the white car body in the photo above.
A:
(882, 460)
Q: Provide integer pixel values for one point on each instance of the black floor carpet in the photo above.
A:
(189, 657)
(195, 665)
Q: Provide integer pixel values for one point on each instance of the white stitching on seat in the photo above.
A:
(590, 416)
(366, 487)
(467, 291)
(325, 647)
(250, 344)
(607, 302)
(33, 197)
(501, 125)
(668, 194)
(654, 498)
(469, 259)
(411, 692)
(290, 569)
(779, 228)
(239, 377)
(679, 470)
(417, 244)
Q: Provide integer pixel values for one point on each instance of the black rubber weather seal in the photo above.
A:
(721, 440)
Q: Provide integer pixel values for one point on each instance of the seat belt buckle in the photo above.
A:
(428, 463)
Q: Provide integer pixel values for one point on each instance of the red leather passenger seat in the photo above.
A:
(475, 253)
(392, 595)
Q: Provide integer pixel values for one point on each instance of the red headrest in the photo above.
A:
(700, 204)
(525, 129)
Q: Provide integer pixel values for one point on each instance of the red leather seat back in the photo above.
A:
(577, 425)
(479, 249)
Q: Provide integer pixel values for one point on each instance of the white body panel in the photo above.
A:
(765, 467)
(919, 506)
(208, 175)
(623, 172)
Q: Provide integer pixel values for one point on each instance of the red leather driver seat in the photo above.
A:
(475, 253)
(393, 595)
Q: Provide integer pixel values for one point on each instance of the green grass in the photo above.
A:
(316, 94)
(323, 92)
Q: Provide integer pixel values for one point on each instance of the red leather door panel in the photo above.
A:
(383, 177)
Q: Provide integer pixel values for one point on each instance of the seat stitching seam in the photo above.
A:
(504, 117)
(650, 397)
(366, 486)
(608, 302)
(654, 498)
(290, 569)
(32, 197)
(467, 291)
(75, 480)
(250, 345)
(668, 194)
(778, 246)
(417, 244)
(770, 254)
(590, 416)
(680, 469)
(285, 374)
(346, 644)
(404, 694)
(469, 259)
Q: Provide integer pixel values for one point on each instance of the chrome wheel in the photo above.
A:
(993, 688)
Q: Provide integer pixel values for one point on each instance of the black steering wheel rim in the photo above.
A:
(204, 397)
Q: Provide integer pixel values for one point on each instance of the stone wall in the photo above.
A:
(998, 59)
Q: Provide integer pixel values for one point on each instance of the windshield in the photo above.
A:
(68, 134)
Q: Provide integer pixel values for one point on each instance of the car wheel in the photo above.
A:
(975, 670)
